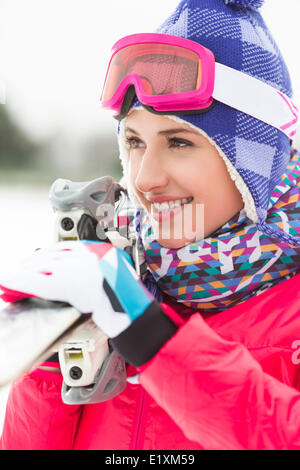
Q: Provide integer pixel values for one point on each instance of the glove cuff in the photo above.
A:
(145, 336)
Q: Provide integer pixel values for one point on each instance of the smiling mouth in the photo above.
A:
(168, 206)
(168, 209)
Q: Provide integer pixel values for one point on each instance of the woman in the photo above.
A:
(216, 349)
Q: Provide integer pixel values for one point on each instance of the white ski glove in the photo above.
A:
(71, 272)
(97, 278)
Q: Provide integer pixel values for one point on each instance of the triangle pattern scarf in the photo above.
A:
(234, 263)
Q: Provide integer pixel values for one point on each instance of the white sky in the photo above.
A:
(54, 54)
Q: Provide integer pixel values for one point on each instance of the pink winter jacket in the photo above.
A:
(230, 381)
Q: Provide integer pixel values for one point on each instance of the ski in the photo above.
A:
(31, 331)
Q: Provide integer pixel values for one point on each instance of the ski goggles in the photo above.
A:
(173, 75)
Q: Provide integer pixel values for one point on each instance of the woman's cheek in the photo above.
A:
(132, 173)
(132, 176)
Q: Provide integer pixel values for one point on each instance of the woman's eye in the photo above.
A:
(179, 143)
(134, 142)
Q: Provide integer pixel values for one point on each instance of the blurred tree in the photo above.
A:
(17, 150)
(61, 155)
(101, 156)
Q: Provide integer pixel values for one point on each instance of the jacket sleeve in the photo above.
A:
(36, 418)
(218, 394)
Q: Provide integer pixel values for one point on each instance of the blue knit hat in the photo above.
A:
(256, 154)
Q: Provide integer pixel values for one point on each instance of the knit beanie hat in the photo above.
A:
(256, 154)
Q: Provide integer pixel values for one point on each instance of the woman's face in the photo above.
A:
(179, 177)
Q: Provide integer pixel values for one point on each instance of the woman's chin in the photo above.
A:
(174, 244)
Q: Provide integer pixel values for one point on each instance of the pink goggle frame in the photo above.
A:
(143, 52)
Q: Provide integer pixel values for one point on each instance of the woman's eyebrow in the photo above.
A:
(167, 131)
(177, 131)
(128, 129)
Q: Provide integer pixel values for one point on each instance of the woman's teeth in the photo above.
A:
(168, 206)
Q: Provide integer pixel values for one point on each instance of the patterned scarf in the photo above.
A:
(234, 263)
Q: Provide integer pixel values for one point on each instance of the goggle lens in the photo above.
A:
(162, 69)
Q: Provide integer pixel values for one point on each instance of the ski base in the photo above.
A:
(30, 331)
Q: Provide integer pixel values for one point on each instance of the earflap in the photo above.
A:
(278, 235)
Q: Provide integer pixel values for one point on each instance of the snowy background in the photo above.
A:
(53, 58)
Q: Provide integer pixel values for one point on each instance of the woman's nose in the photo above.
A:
(151, 174)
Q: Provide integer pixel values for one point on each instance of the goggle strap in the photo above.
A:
(255, 98)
